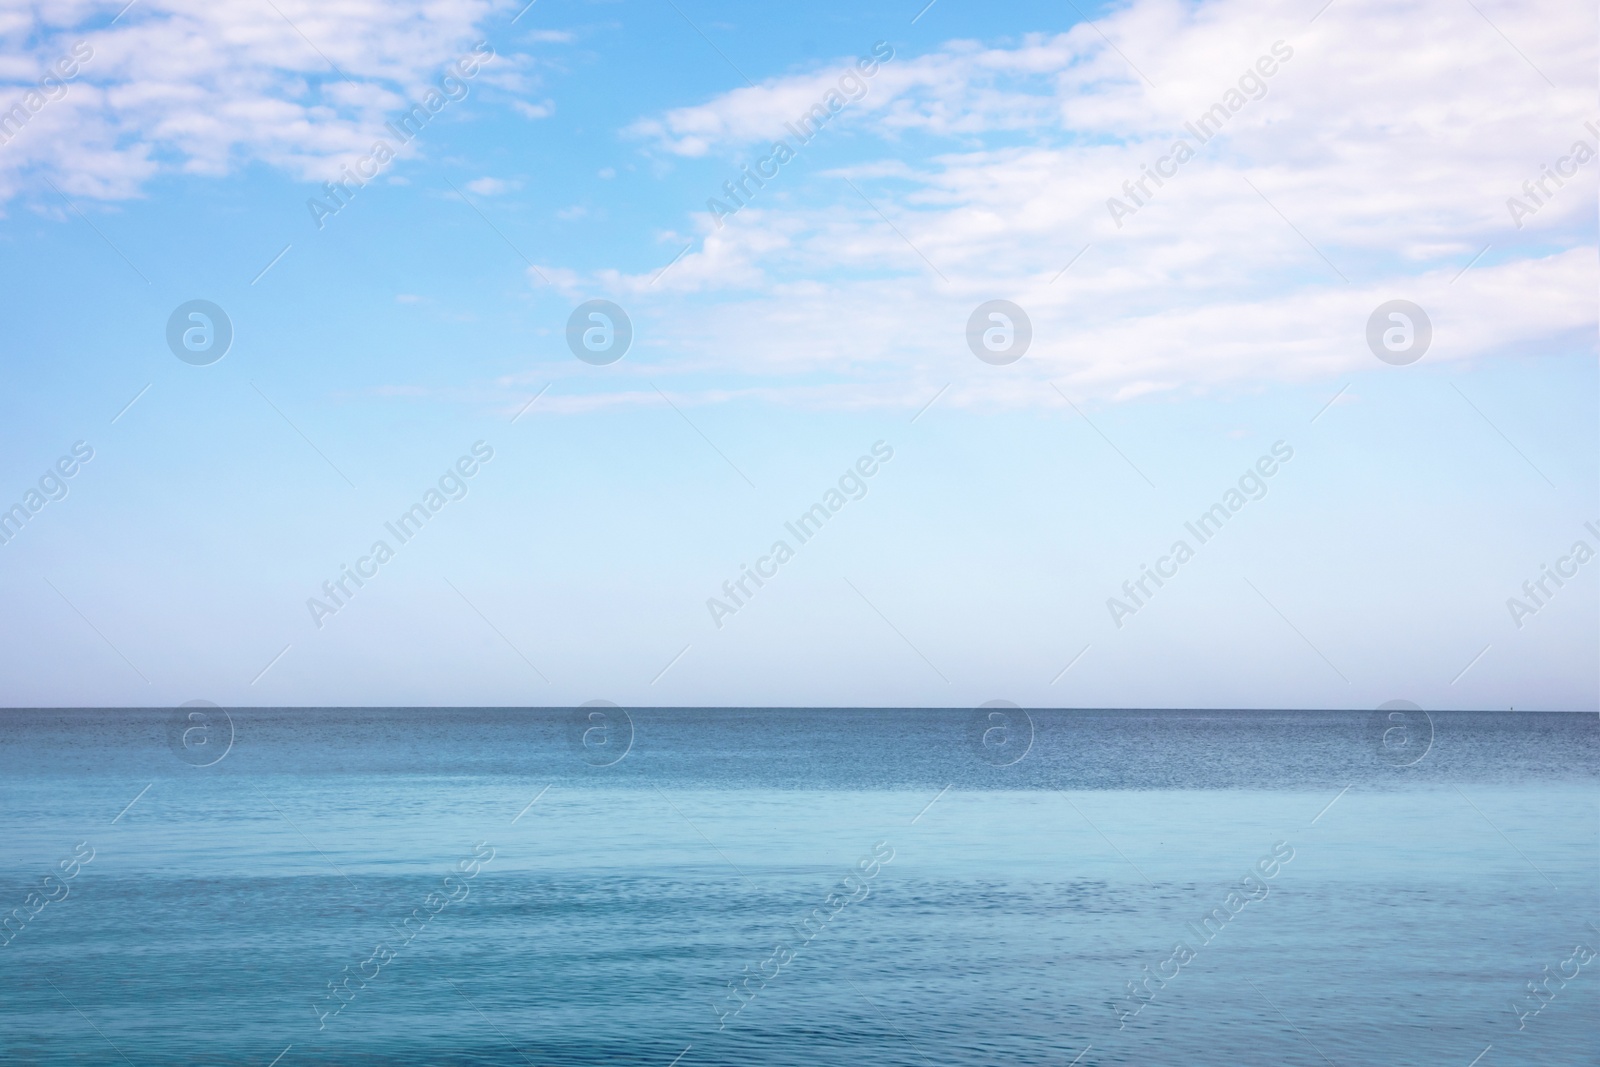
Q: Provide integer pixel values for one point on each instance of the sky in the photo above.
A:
(1006, 298)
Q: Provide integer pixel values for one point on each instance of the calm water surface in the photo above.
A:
(495, 886)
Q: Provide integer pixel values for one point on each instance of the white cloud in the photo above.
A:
(1376, 163)
(542, 110)
(202, 87)
(492, 186)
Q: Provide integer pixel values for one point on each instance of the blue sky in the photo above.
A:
(1176, 339)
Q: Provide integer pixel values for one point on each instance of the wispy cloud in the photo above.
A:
(1371, 164)
(492, 186)
(204, 88)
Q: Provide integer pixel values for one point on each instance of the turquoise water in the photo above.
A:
(754, 846)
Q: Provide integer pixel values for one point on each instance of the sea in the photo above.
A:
(681, 887)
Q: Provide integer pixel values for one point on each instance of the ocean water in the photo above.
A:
(787, 887)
